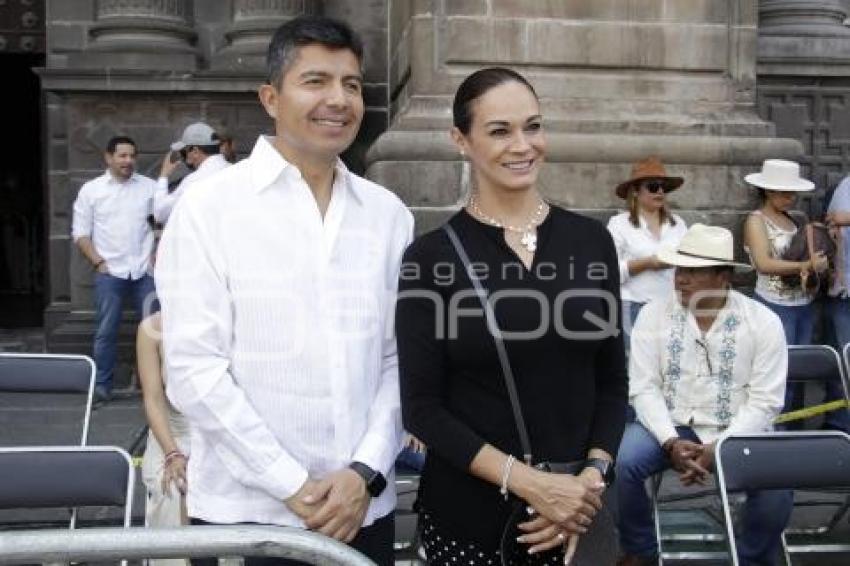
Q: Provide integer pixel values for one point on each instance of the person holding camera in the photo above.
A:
(199, 148)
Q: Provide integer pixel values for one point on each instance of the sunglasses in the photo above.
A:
(653, 186)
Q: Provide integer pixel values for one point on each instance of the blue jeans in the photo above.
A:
(766, 513)
(630, 314)
(109, 295)
(798, 324)
(409, 461)
(837, 314)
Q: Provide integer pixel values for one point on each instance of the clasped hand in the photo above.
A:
(562, 507)
(334, 506)
(693, 461)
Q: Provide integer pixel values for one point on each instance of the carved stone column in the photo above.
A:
(804, 85)
(801, 32)
(141, 34)
(254, 22)
(617, 80)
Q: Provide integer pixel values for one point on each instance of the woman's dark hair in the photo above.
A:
(664, 213)
(476, 85)
(307, 30)
(115, 141)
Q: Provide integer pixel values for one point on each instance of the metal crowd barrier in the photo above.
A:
(107, 544)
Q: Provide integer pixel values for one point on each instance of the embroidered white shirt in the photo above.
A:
(163, 201)
(634, 243)
(114, 214)
(277, 334)
(729, 379)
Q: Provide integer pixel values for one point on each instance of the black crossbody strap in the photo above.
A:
(493, 326)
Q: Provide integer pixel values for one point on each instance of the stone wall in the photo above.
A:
(147, 68)
(804, 86)
(618, 80)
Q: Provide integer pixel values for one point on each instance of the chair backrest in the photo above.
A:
(846, 355)
(64, 476)
(815, 362)
(50, 373)
(784, 460)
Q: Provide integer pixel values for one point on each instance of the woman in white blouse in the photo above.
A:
(640, 232)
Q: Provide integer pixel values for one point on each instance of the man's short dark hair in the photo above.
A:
(307, 30)
(115, 141)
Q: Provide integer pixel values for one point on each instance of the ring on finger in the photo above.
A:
(561, 536)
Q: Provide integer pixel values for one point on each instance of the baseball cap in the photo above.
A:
(198, 133)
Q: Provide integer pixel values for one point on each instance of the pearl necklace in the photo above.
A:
(528, 232)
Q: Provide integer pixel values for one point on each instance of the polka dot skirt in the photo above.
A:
(442, 549)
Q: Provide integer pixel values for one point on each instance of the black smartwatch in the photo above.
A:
(605, 467)
(375, 481)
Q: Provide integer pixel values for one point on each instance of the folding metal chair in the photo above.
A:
(65, 476)
(817, 363)
(50, 373)
(701, 538)
(781, 460)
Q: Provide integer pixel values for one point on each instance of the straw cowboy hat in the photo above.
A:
(779, 175)
(649, 168)
(703, 246)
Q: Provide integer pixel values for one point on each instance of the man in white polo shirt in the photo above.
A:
(111, 228)
(277, 278)
(199, 148)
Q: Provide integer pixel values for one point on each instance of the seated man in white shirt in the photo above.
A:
(705, 362)
(111, 228)
(278, 278)
(199, 147)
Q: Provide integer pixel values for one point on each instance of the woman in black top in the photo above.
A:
(554, 278)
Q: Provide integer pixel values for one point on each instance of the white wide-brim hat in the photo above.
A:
(703, 246)
(780, 175)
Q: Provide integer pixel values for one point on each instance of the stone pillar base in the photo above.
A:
(71, 332)
(134, 60)
(424, 169)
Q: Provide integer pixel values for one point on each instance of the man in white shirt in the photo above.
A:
(112, 230)
(277, 278)
(705, 362)
(199, 148)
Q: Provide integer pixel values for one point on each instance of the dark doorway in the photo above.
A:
(21, 194)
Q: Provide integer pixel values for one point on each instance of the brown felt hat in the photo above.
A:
(649, 168)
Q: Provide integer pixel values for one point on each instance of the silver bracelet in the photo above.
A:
(506, 472)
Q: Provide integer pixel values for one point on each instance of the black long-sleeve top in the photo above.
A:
(571, 383)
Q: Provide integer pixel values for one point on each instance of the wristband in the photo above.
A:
(172, 455)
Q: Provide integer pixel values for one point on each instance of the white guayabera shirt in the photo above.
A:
(114, 214)
(277, 334)
(164, 202)
(729, 379)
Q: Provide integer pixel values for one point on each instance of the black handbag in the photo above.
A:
(599, 546)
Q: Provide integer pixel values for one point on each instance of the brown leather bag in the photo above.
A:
(811, 238)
